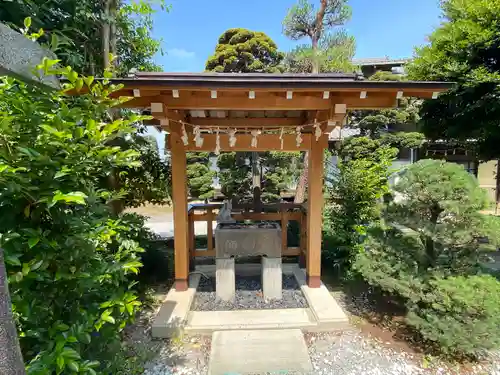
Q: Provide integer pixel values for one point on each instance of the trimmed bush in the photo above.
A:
(461, 314)
(430, 253)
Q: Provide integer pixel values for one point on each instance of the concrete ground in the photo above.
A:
(259, 351)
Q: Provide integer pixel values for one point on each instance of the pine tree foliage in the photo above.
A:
(199, 175)
(279, 171)
(430, 252)
(245, 51)
(464, 49)
(331, 48)
(385, 123)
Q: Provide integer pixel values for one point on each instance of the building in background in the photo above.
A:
(487, 173)
(370, 66)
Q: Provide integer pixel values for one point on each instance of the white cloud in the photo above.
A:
(180, 53)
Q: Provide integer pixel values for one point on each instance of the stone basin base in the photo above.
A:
(271, 278)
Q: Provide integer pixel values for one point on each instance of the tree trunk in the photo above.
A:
(300, 192)
(256, 182)
(11, 359)
(113, 11)
(430, 250)
(106, 30)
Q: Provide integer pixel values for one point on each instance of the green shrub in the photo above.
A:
(158, 257)
(69, 261)
(429, 253)
(461, 314)
(353, 199)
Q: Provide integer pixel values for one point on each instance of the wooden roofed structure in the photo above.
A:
(257, 112)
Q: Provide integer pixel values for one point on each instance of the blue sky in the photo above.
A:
(381, 27)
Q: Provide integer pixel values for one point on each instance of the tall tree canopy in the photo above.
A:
(245, 51)
(84, 32)
(464, 49)
(331, 48)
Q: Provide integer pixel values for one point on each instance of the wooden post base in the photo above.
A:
(181, 285)
(313, 281)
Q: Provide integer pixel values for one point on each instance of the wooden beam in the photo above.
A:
(314, 212)
(262, 103)
(271, 101)
(375, 101)
(246, 122)
(180, 205)
(265, 142)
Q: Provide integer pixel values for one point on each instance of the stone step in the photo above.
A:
(259, 352)
(206, 322)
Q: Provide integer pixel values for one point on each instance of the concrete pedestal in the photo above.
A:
(225, 283)
(272, 278)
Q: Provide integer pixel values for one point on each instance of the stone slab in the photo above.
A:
(206, 322)
(19, 56)
(246, 269)
(272, 278)
(173, 313)
(259, 352)
(325, 309)
(225, 279)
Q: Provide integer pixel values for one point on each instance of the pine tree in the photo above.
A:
(199, 175)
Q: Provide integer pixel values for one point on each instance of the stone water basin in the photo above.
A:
(242, 239)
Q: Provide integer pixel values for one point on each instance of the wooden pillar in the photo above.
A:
(314, 212)
(180, 205)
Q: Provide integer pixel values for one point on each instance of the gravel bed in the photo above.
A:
(350, 353)
(248, 295)
(188, 356)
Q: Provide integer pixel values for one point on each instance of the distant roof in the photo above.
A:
(380, 61)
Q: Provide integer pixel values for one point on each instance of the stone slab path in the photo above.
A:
(259, 352)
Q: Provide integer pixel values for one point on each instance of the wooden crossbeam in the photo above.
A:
(375, 101)
(246, 122)
(265, 142)
(263, 103)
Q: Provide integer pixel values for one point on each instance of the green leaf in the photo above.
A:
(70, 353)
(27, 211)
(33, 241)
(18, 276)
(12, 260)
(62, 327)
(85, 338)
(36, 265)
(61, 174)
(27, 22)
(60, 362)
(73, 366)
(88, 80)
(26, 269)
(73, 197)
(109, 319)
